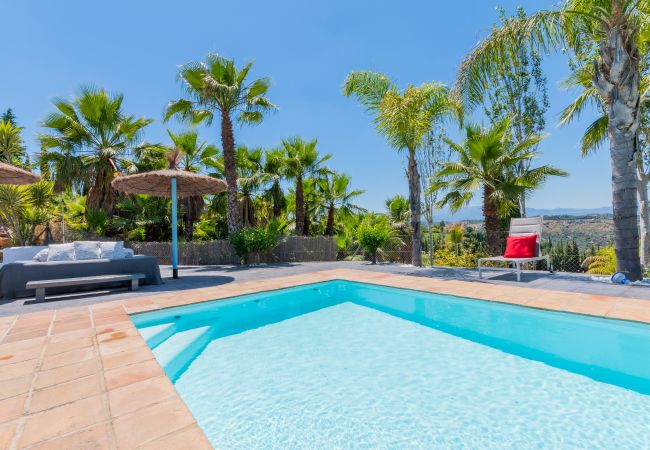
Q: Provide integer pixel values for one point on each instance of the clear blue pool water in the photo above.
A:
(352, 365)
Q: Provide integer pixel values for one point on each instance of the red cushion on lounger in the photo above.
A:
(521, 246)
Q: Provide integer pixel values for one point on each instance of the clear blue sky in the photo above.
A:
(305, 47)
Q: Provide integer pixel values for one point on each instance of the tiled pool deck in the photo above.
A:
(82, 377)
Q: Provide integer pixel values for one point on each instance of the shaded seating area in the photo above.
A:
(26, 264)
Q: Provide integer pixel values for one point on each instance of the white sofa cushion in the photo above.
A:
(61, 252)
(13, 254)
(112, 250)
(42, 255)
(84, 250)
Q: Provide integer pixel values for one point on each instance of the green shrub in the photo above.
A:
(602, 263)
(373, 236)
(247, 240)
(444, 256)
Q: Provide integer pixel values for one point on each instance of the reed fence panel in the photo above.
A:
(205, 253)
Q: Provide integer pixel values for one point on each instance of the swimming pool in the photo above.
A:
(346, 364)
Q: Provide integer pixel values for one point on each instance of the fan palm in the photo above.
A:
(275, 170)
(336, 193)
(144, 217)
(618, 30)
(398, 212)
(486, 162)
(23, 208)
(596, 135)
(250, 177)
(217, 87)
(301, 160)
(13, 201)
(89, 136)
(404, 118)
(12, 147)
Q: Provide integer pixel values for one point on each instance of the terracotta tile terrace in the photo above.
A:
(82, 377)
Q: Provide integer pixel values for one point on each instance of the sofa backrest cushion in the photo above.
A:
(42, 255)
(13, 254)
(112, 250)
(61, 252)
(84, 250)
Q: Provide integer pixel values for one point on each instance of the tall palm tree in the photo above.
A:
(335, 191)
(616, 29)
(486, 162)
(404, 118)
(302, 160)
(90, 136)
(595, 136)
(12, 147)
(217, 87)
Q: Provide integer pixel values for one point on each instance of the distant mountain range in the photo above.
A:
(475, 213)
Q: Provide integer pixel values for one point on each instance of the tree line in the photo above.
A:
(89, 140)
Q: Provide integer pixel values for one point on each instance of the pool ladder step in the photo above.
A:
(156, 334)
(179, 349)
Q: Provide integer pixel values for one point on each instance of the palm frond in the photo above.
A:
(540, 33)
(595, 135)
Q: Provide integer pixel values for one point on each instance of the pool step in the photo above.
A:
(178, 350)
(156, 334)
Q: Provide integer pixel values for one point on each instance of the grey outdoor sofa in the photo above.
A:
(15, 275)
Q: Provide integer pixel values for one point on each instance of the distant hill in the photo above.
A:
(475, 213)
(585, 230)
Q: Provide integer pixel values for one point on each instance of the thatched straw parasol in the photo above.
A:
(13, 175)
(170, 183)
(158, 183)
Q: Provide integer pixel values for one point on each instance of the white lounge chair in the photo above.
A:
(524, 226)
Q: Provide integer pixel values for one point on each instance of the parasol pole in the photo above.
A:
(174, 231)
(62, 217)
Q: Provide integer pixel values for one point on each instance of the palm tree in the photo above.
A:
(41, 199)
(250, 178)
(89, 138)
(399, 213)
(217, 87)
(312, 204)
(455, 237)
(301, 160)
(144, 218)
(487, 162)
(66, 169)
(275, 170)
(336, 193)
(194, 156)
(23, 208)
(404, 118)
(12, 147)
(596, 135)
(615, 29)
